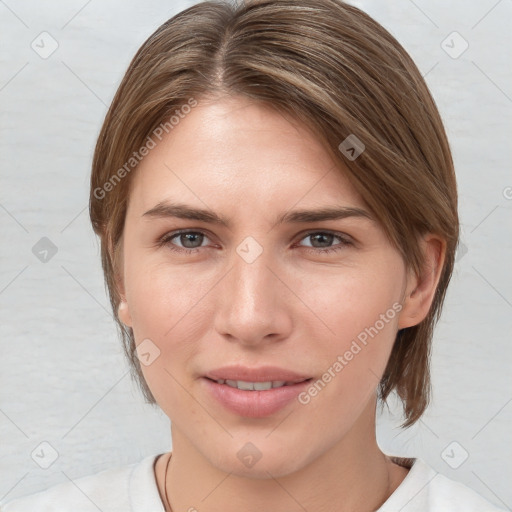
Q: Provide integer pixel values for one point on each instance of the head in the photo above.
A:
(250, 112)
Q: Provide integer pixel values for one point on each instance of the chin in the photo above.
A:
(259, 459)
(275, 465)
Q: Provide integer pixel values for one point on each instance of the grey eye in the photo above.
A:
(190, 240)
(322, 239)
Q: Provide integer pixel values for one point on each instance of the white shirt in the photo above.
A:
(133, 488)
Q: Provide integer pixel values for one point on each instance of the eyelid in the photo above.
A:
(344, 236)
(345, 240)
(169, 235)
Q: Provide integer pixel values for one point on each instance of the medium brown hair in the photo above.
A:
(329, 66)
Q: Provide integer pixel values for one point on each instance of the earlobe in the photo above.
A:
(123, 313)
(420, 289)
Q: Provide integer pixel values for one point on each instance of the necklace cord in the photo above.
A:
(167, 504)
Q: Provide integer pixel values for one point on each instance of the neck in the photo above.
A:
(353, 475)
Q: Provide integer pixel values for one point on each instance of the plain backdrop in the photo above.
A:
(64, 380)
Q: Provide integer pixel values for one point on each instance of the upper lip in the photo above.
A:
(260, 374)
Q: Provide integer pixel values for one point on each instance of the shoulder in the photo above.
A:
(426, 490)
(112, 489)
(460, 497)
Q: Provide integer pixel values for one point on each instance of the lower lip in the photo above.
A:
(254, 404)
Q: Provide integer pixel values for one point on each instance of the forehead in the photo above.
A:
(243, 155)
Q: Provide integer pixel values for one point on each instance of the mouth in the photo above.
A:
(254, 393)
(260, 375)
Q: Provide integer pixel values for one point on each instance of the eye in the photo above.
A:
(322, 240)
(190, 241)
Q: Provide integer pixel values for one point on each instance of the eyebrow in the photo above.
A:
(166, 209)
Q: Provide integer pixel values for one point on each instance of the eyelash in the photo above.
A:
(344, 242)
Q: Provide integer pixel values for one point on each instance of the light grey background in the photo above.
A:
(63, 377)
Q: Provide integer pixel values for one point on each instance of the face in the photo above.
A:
(313, 304)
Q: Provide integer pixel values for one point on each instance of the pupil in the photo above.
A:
(327, 236)
(188, 238)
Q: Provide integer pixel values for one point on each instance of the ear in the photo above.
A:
(420, 289)
(123, 312)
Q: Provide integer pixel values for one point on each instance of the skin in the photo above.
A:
(295, 307)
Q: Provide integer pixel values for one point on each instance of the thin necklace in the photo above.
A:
(388, 491)
(168, 505)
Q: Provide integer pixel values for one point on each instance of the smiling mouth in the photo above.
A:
(260, 397)
(257, 386)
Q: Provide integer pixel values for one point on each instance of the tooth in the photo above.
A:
(254, 386)
(262, 386)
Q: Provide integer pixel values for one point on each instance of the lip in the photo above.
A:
(260, 374)
(254, 404)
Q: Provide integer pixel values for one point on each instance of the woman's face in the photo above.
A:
(267, 295)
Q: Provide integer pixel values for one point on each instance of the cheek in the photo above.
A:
(357, 311)
(349, 311)
(334, 306)
(167, 309)
(346, 302)
(160, 297)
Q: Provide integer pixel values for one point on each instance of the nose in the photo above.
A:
(253, 302)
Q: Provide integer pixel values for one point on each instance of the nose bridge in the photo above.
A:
(251, 305)
(251, 282)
